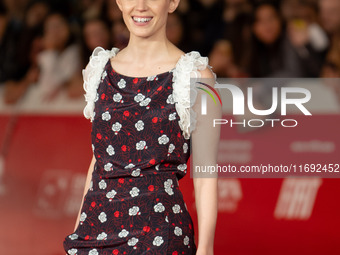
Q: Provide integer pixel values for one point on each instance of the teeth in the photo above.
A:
(141, 20)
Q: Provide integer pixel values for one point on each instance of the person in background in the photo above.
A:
(119, 33)
(235, 28)
(9, 37)
(329, 16)
(27, 47)
(280, 49)
(95, 32)
(331, 67)
(176, 32)
(60, 57)
(222, 59)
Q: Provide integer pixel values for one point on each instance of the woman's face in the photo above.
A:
(146, 18)
(57, 30)
(267, 26)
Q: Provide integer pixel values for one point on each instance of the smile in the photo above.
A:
(141, 20)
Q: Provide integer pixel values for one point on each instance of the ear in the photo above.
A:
(173, 5)
(119, 4)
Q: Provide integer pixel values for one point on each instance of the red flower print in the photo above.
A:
(146, 229)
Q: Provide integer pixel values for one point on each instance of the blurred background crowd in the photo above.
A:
(46, 43)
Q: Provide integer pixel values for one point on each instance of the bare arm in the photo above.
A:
(205, 140)
(87, 186)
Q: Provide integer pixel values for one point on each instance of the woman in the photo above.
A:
(59, 59)
(138, 100)
(279, 49)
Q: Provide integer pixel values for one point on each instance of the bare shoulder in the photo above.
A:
(207, 73)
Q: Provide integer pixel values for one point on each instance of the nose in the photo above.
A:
(141, 5)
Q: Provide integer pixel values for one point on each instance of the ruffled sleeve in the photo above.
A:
(92, 76)
(185, 76)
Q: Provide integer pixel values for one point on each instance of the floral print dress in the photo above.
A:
(134, 204)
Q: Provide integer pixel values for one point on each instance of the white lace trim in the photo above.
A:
(92, 76)
(185, 75)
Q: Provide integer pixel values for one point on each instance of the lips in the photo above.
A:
(141, 19)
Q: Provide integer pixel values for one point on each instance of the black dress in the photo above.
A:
(134, 205)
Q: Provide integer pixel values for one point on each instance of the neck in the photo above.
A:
(148, 49)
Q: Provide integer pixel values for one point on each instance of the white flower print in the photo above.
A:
(185, 147)
(139, 125)
(134, 192)
(97, 97)
(172, 116)
(186, 240)
(93, 252)
(139, 97)
(178, 231)
(141, 145)
(102, 236)
(134, 211)
(108, 167)
(122, 84)
(82, 218)
(118, 98)
(145, 102)
(170, 99)
(171, 148)
(116, 127)
(169, 191)
(168, 183)
(91, 186)
(182, 167)
(123, 233)
(129, 166)
(111, 194)
(166, 219)
(110, 150)
(102, 184)
(72, 251)
(164, 139)
(106, 116)
(92, 147)
(176, 208)
(157, 167)
(159, 207)
(73, 236)
(158, 240)
(104, 74)
(132, 241)
(136, 172)
(168, 186)
(102, 217)
(152, 78)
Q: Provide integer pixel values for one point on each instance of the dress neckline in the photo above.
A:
(142, 77)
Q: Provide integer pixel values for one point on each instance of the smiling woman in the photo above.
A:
(141, 102)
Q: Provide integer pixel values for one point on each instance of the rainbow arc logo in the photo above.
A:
(209, 93)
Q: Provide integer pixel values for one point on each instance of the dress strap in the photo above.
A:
(92, 77)
(185, 76)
